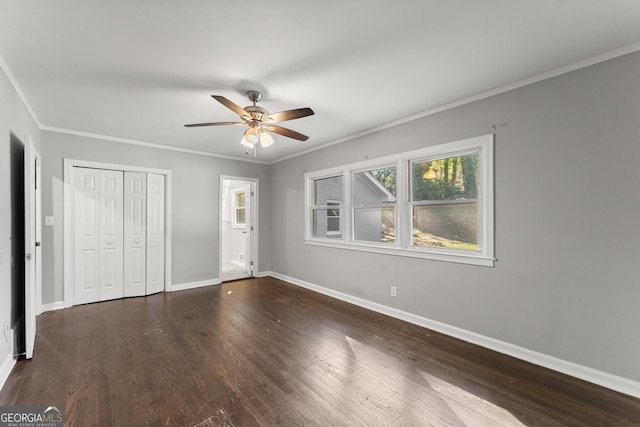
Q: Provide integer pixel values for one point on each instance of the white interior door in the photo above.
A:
(135, 245)
(155, 233)
(38, 221)
(86, 239)
(111, 237)
(33, 262)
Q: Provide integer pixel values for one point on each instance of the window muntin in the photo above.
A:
(453, 218)
(374, 205)
(444, 202)
(327, 207)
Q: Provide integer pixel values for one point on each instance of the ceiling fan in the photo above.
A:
(259, 121)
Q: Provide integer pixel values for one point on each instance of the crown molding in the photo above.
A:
(145, 144)
(16, 87)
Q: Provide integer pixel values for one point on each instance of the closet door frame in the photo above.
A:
(69, 164)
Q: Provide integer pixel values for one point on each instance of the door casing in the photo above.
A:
(252, 225)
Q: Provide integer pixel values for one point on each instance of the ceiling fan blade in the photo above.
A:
(232, 106)
(289, 115)
(215, 124)
(286, 132)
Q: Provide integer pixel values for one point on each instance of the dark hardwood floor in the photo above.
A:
(262, 352)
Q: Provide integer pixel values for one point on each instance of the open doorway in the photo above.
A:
(238, 227)
(18, 245)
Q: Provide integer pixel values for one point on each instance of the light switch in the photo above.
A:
(48, 220)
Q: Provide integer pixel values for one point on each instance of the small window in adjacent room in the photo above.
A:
(239, 208)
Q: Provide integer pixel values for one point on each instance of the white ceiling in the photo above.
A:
(140, 70)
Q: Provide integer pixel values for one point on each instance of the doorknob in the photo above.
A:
(37, 244)
(27, 256)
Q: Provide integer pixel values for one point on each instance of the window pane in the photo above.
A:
(451, 226)
(325, 225)
(375, 224)
(451, 178)
(375, 187)
(240, 216)
(240, 200)
(327, 189)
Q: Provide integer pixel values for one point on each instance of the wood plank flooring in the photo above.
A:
(263, 352)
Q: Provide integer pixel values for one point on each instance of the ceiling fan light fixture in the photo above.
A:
(252, 136)
(246, 143)
(265, 139)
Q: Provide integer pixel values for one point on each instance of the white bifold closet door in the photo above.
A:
(98, 235)
(155, 233)
(135, 233)
(118, 234)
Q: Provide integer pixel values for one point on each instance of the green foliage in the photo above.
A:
(453, 178)
(386, 177)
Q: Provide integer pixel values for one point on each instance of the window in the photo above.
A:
(239, 208)
(444, 202)
(374, 210)
(327, 207)
(434, 203)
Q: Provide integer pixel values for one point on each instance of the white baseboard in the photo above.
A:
(604, 379)
(7, 365)
(264, 274)
(58, 305)
(193, 285)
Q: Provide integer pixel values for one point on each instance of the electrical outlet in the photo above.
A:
(394, 292)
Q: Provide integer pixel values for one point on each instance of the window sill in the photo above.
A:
(471, 259)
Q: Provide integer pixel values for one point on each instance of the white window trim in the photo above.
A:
(403, 246)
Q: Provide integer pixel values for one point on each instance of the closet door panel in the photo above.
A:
(155, 233)
(86, 235)
(111, 239)
(135, 242)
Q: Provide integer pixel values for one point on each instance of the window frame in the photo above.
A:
(354, 206)
(311, 207)
(403, 246)
(444, 202)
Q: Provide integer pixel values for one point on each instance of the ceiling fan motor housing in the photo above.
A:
(257, 113)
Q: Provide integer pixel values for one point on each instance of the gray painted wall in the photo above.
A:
(196, 187)
(14, 119)
(567, 193)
